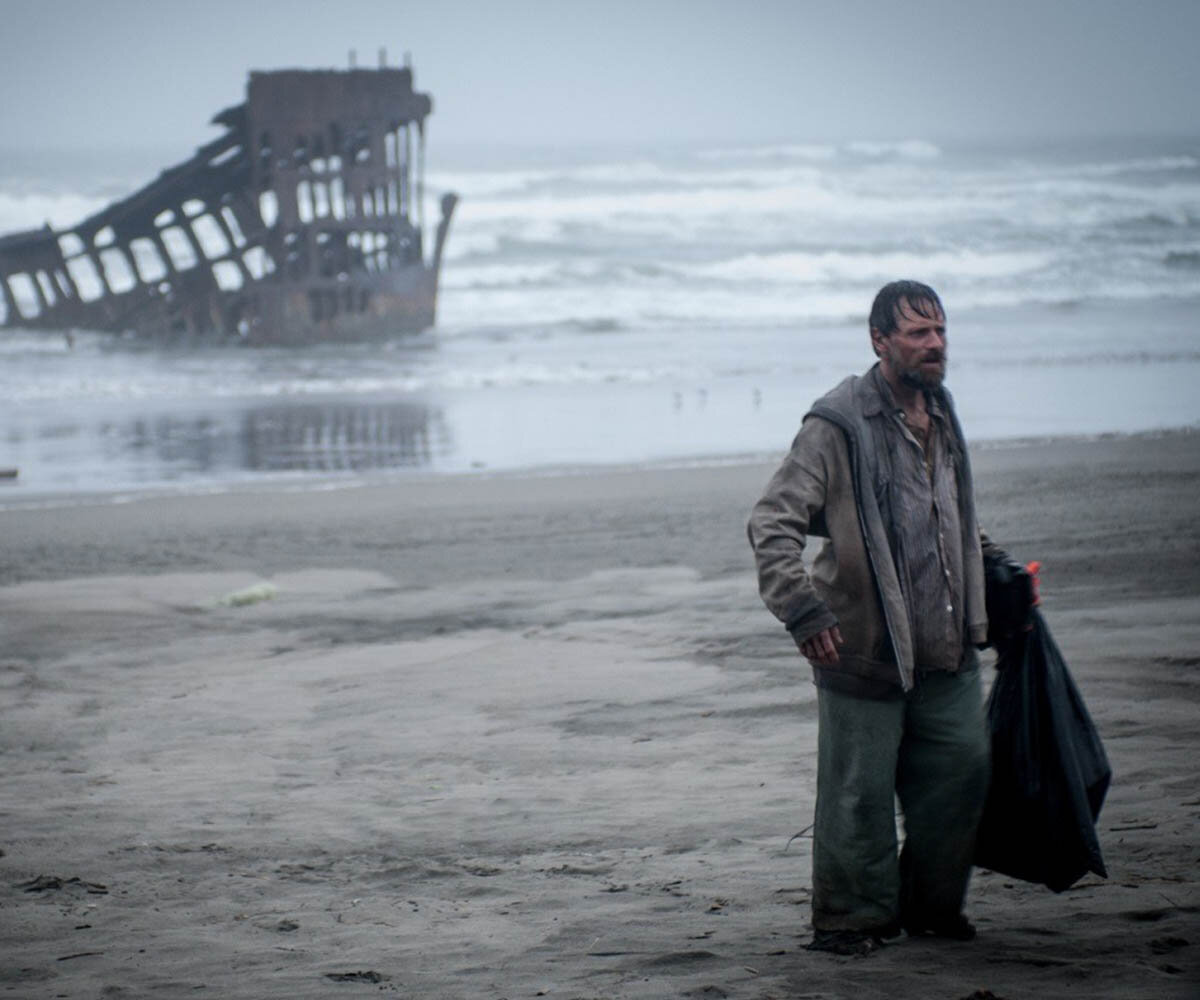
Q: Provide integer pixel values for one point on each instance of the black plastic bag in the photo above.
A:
(1049, 770)
(1010, 599)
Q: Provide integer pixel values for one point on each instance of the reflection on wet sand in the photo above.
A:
(143, 448)
(337, 437)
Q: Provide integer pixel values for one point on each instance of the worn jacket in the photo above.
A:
(834, 484)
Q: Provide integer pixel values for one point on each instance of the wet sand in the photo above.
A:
(536, 736)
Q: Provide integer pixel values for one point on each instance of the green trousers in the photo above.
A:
(930, 748)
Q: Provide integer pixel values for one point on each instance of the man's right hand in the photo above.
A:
(821, 649)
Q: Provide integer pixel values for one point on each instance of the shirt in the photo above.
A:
(926, 532)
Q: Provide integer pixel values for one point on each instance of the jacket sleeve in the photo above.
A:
(790, 510)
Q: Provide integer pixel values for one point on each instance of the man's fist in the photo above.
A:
(821, 649)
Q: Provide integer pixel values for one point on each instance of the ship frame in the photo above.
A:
(303, 222)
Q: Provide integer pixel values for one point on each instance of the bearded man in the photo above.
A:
(889, 616)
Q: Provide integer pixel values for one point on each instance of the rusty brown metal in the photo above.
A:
(301, 223)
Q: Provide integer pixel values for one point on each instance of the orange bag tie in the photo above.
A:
(1035, 568)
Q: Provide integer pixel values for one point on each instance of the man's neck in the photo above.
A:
(908, 397)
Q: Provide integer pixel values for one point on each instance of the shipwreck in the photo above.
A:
(304, 222)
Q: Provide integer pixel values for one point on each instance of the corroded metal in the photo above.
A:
(303, 222)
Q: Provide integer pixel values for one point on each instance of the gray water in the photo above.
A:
(647, 305)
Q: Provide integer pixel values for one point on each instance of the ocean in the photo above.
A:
(635, 305)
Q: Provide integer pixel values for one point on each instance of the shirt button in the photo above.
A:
(950, 608)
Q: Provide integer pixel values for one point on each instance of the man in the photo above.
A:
(889, 617)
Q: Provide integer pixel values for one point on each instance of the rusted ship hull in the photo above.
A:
(302, 223)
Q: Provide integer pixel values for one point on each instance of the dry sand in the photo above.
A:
(518, 737)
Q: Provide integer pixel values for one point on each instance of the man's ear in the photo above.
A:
(877, 340)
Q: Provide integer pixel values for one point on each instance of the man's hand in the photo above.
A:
(821, 649)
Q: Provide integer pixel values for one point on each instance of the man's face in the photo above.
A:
(915, 351)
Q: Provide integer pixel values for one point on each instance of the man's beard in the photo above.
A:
(918, 378)
(924, 379)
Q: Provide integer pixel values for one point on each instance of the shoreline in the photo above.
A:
(520, 402)
(286, 483)
(429, 526)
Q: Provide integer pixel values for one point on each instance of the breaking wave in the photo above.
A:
(33, 210)
(912, 149)
(833, 266)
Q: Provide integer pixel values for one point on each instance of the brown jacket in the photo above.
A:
(833, 484)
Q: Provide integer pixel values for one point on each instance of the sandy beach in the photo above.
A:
(518, 736)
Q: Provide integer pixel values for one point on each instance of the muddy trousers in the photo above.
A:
(929, 748)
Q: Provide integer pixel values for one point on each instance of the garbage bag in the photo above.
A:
(1049, 770)
(1010, 598)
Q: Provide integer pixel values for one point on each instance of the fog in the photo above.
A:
(130, 74)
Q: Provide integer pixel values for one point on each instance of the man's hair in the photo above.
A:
(921, 299)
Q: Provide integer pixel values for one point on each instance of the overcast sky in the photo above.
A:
(151, 74)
